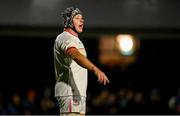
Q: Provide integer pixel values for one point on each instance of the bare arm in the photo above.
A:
(86, 63)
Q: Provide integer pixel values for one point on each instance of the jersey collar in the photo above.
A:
(69, 30)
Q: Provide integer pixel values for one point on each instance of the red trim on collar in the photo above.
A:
(69, 30)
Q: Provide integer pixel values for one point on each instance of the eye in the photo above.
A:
(77, 18)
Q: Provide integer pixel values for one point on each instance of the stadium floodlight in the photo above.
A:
(125, 44)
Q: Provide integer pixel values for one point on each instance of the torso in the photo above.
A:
(71, 78)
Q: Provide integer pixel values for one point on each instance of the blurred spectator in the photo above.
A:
(174, 103)
(15, 107)
(111, 104)
(99, 102)
(123, 101)
(30, 104)
(156, 105)
(47, 105)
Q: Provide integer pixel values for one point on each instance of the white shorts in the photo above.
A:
(72, 104)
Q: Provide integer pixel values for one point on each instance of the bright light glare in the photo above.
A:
(125, 44)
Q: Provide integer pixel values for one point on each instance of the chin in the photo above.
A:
(80, 31)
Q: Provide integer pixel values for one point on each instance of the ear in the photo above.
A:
(71, 23)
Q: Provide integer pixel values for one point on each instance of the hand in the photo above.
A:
(102, 78)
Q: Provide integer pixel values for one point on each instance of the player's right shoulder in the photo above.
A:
(63, 36)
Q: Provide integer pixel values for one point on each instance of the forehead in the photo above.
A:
(78, 16)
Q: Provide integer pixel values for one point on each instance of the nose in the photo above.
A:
(82, 20)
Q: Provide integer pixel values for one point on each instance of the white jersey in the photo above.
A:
(71, 78)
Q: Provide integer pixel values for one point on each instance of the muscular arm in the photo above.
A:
(86, 63)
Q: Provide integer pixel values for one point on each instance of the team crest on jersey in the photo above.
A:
(75, 101)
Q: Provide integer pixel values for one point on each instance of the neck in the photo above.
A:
(71, 31)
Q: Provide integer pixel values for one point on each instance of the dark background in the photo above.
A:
(27, 34)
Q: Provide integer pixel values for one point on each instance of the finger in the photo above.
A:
(98, 78)
(107, 80)
(104, 82)
(101, 79)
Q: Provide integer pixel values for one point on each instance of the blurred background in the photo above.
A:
(135, 42)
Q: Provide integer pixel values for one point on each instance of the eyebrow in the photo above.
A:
(79, 17)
